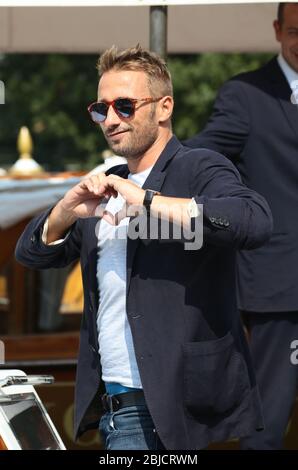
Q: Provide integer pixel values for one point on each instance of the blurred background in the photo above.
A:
(49, 93)
(48, 67)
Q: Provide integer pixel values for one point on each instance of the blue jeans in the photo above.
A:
(130, 428)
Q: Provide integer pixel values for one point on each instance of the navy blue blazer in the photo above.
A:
(181, 305)
(255, 124)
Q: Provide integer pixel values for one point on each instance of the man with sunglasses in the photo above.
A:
(162, 349)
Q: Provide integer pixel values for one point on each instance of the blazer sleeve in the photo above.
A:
(33, 253)
(233, 215)
(227, 129)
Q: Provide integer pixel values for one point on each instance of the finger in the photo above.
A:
(115, 177)
(114, 193)
(109, 217)
(106, 187)
(88, 185)
(120, 215)
(92, 183)
(109, 191)
(114, 181)
(96, 181)
(83, 185)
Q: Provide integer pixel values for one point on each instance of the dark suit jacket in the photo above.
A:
(255, 124)
(181, 305)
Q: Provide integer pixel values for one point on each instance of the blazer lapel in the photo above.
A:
(155, 182)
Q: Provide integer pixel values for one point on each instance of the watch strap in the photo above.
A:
(149, 195)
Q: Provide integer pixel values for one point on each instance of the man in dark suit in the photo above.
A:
(255, 123)
(160, 328)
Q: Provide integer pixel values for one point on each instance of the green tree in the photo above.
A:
(196, 80)
(50, 93)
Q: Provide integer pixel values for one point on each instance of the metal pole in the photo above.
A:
(158, 30)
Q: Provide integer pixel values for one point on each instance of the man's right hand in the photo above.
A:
(79, 202)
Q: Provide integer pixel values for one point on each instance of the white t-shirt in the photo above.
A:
(117, 355)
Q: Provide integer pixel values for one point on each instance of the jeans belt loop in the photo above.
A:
(113, 403)
(110, 403)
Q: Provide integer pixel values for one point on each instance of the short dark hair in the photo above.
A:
(280, 12)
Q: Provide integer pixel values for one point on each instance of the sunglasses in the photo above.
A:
(124, 108)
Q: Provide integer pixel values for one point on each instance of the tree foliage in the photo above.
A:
(50, 95)
(196, 80)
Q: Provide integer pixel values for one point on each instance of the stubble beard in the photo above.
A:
(138, 142)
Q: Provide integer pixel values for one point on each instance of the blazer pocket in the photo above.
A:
(215, 378)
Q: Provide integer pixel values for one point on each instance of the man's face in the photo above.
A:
(287, 34)
(130, 137)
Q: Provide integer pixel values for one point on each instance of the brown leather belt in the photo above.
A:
(113, 403)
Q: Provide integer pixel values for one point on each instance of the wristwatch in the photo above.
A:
(149, 195)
